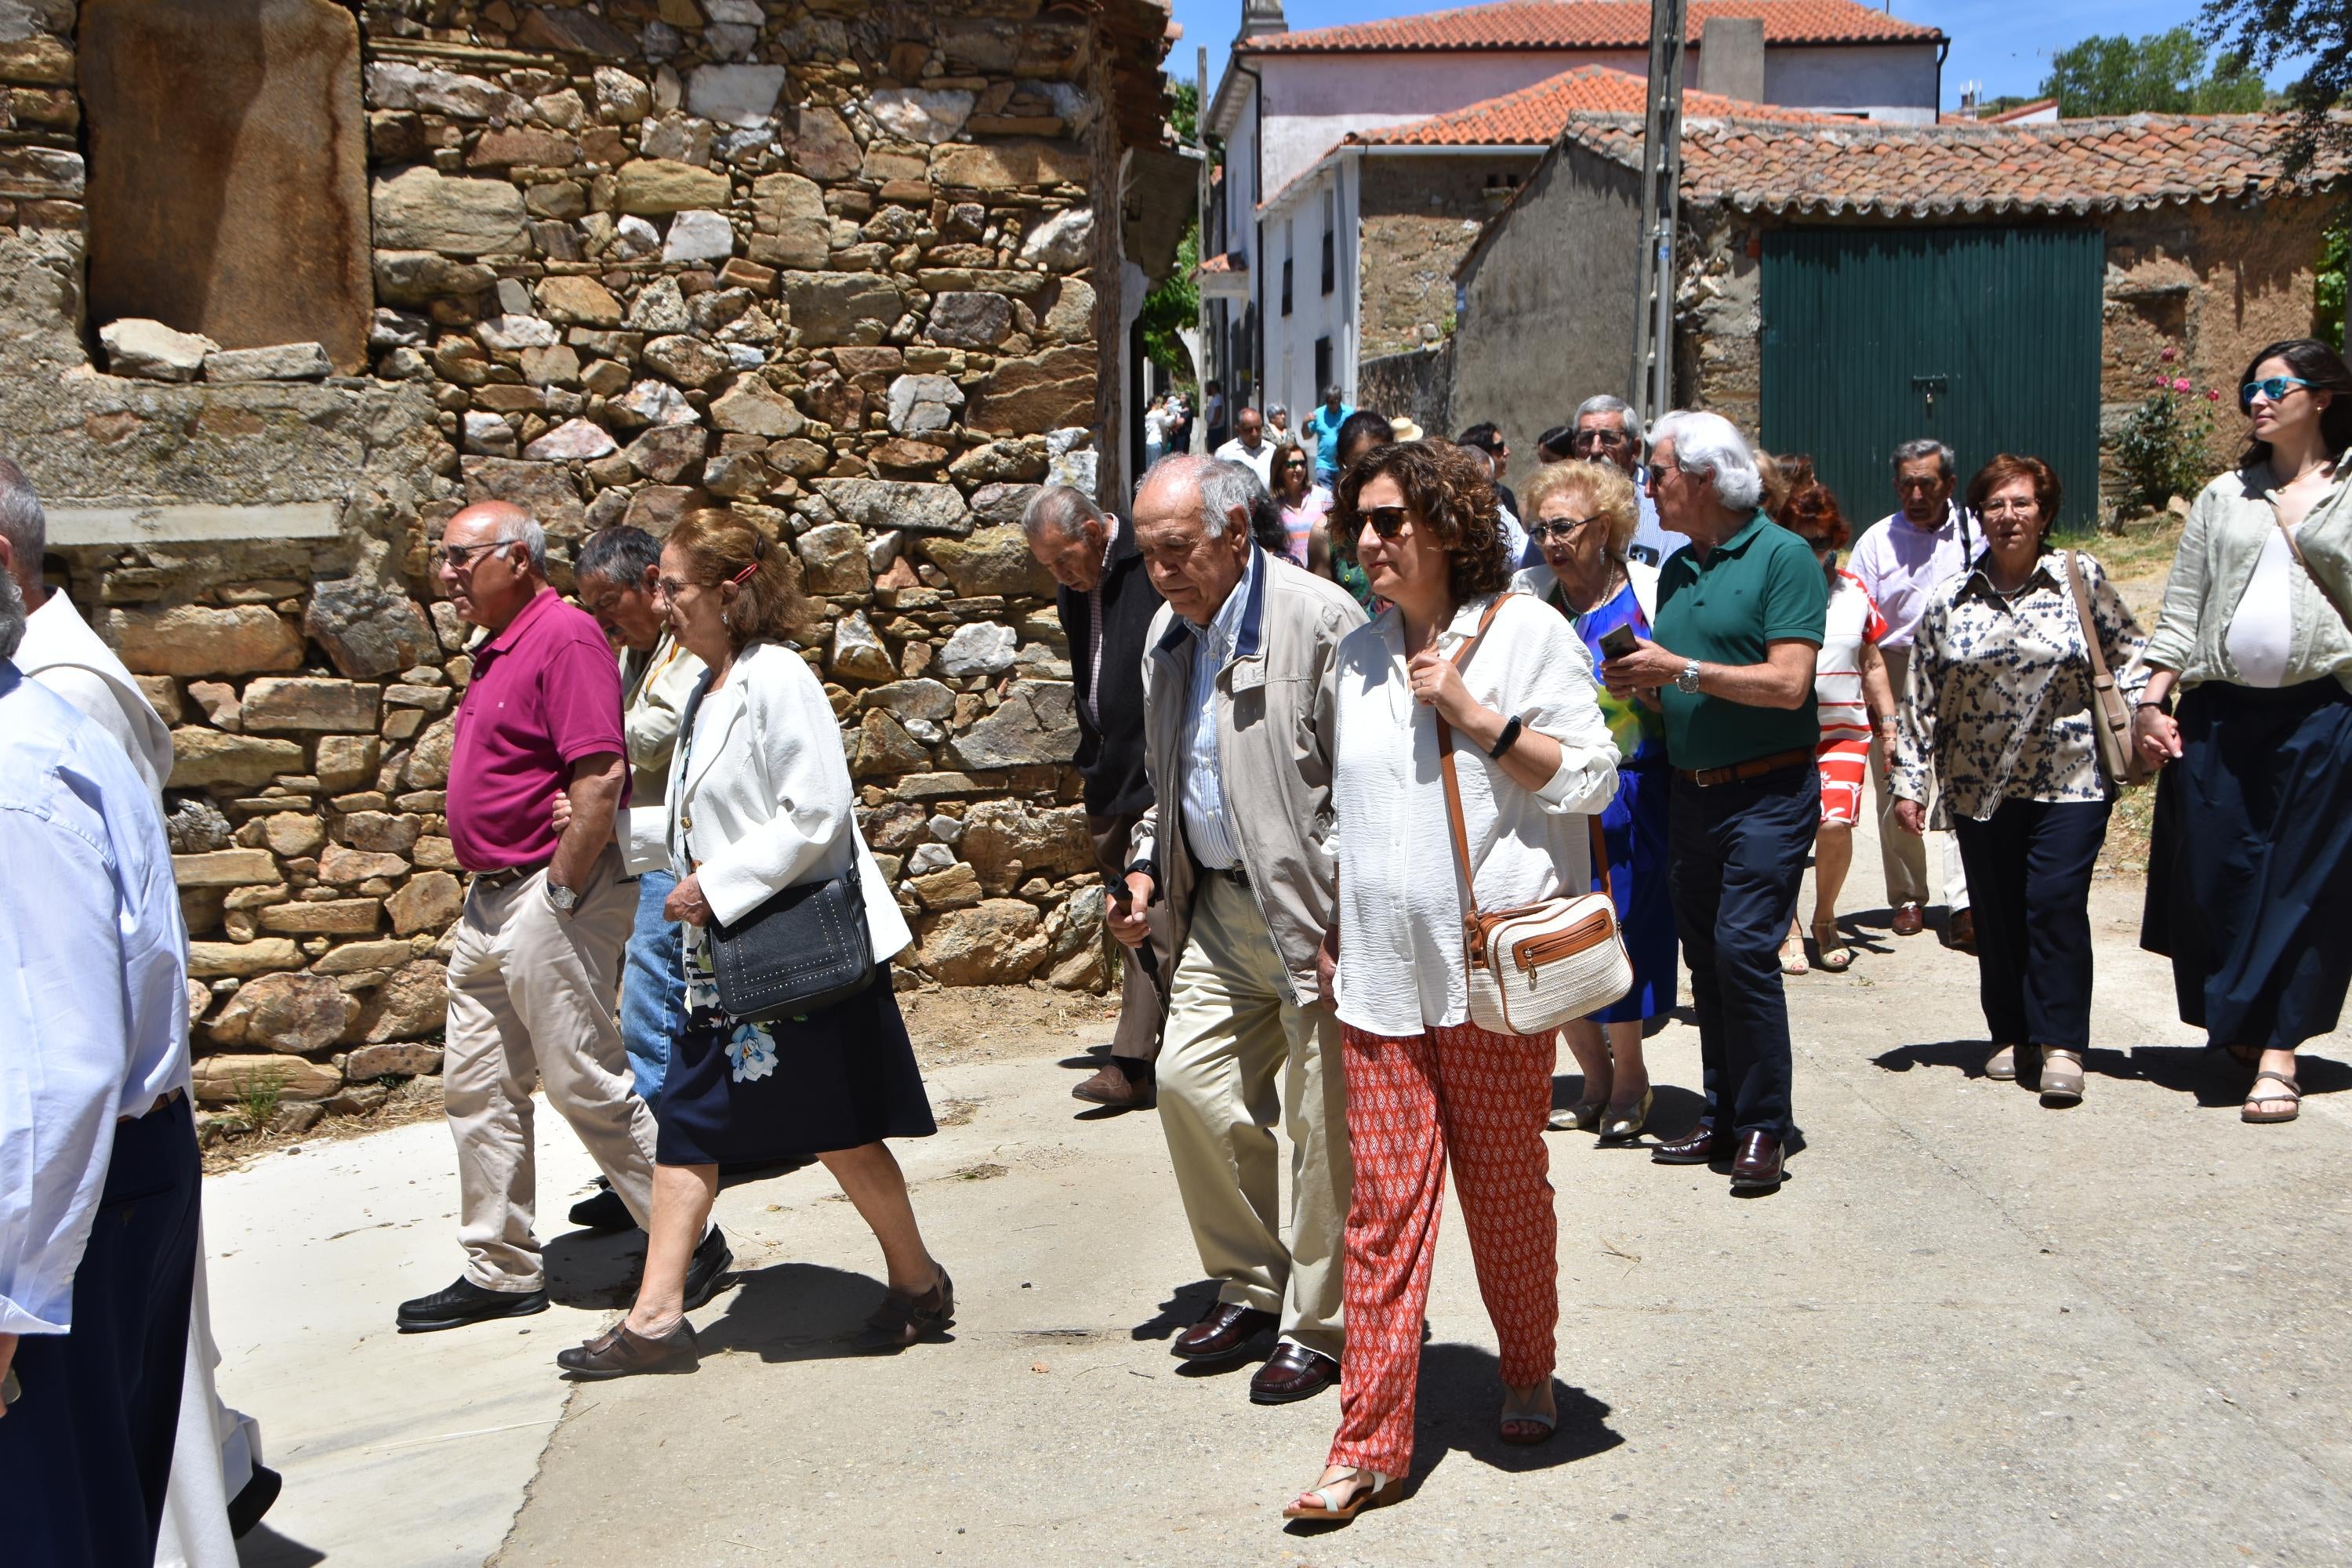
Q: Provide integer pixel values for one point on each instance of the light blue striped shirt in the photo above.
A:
(1213, 843)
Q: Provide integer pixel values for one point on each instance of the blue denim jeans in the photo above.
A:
(653, 989)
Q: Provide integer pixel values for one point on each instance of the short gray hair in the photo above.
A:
(1064, 508)
(527, 530)
(1709, 444)
(1605, 404)
(1221, 486)
(21, 518)
(618, 554)
(1277, 410)
(12, 616)
(1925, 447)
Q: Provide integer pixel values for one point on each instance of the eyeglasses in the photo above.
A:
(1387, 521)
(1559, 528)
(1584, 440)
(2009, 509)
(2274, 387)
(1657, 473)
(457, 556)
(671, 588)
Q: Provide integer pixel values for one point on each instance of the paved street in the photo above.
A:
(1969, 1330)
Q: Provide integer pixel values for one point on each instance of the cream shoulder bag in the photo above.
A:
(1533, 968)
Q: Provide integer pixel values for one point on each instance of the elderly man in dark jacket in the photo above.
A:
(1106, 601)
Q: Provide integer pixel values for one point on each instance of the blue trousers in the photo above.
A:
(86, 1451)
(2030, 884)
(653, 989)
(1736, 855)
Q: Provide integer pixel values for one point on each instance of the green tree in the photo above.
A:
(1174, 306)
(2163, 73)
(2269, 33)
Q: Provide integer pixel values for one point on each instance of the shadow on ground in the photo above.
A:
(797, 1311)
(2211, 1077)
(264, 1548)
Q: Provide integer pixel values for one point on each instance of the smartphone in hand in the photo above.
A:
(1618, 641)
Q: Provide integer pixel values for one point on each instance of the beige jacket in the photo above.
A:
(1277, 727)
(653, 689)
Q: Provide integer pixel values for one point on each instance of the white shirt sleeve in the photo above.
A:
(1552, 692)
(802, 755)
(90, 692)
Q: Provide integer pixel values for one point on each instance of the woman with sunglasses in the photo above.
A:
(1854, 696)
(2249, 873)
(1581, 516)
(2000, 699)
(1303, 508)
(1426, 1085)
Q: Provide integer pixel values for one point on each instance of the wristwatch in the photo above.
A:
(1687, 681)
(564, 898)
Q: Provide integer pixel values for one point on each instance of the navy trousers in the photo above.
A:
(1736, 857)
(2029, 869)
(87, 1450)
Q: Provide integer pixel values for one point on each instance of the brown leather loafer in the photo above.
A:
(1291, 1374)
(1110, 1087)
(1222, 1332)
(1699, 1146)
(620, 1352)
(903, 1319)
(1757, 1167)
(1910, 920)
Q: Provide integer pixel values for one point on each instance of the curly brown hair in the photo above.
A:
(1448, 492)
(2009, 466)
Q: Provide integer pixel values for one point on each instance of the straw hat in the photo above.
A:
(1405, 429)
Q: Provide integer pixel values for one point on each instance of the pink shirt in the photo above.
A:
(545, 693)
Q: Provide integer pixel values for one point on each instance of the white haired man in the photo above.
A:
(1741, 614)
(1240, 695)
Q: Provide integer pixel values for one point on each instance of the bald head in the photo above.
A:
(493, 562)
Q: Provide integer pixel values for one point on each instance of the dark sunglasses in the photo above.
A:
(1584, 439)
(1559, 528)
(1658, 474)
(2273, 387)
(456, 555)
(1387, 521)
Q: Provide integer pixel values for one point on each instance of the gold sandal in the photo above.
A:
(1792, 955)
(1616, 1129)
(1837, 954)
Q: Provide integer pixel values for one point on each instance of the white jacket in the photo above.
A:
(765, 786)
(62, 652)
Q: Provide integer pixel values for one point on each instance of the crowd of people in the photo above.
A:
(1345, 701)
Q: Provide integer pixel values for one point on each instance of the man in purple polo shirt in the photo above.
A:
(537, 956)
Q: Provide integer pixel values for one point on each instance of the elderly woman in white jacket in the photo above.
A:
(1426, 1086)
(759, 801)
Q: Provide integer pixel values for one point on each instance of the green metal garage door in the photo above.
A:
(1987, 339)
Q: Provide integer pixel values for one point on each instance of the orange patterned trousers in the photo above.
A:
(1413, 1103)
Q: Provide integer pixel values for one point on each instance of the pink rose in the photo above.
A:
(2181, 384)
(2212, 394)
(2169, 355)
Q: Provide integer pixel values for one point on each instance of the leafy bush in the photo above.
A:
(2162, 448)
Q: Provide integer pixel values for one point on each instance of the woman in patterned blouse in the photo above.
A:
(2000, 698)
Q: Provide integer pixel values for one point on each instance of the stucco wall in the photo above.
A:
(1885, 81)
(1420, 215)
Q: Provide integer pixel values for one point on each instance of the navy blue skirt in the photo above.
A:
(744, 1093)
(2248, 891)
(1634, 826)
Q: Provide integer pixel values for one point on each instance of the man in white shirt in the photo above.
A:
(1902, 559)
(94, 1118)
(1249, 447)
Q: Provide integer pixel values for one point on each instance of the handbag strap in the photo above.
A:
(2295, 549)
(2099, 676)
(1454, 787)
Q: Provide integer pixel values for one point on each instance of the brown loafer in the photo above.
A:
(1291, 1374)
(1699, 1146)
(903, 1319)
(1110, 1087)
(1757, 1168)
(1910, 920)
(619, 1351)
(1222, 1332)
(1961, 931)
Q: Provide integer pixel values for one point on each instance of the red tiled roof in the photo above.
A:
(1537, 115)
(2022, 112)
(1593, 24)
(2071, 165)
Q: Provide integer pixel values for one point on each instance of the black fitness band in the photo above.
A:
(1504, 741)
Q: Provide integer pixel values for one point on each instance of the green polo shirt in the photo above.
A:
(1759, 586)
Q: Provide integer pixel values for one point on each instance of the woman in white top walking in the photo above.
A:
(2248, 890)
(1424, 1082)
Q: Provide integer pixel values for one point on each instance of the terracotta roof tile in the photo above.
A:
(2073, 166)
(1538, 114)
(1593, 24)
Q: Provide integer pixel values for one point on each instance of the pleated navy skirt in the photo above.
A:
(2249, 867)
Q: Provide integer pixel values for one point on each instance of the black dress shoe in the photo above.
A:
(1699, 1146)
(705, 1271)
(253, 1500)
(1757, 1168)
(1222, 1332)
(903, 1319)
(602, 1210)
(466, 1303)
(1291, 1374)
(620, 1352)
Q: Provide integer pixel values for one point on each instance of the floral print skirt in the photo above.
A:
(739, 1092)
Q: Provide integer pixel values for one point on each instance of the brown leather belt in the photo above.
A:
(506, 875)
(1754, 768)
(166, 1098)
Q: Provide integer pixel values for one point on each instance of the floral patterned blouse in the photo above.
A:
(1999, 690)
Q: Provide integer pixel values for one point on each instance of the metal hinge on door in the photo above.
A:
(1932, 387)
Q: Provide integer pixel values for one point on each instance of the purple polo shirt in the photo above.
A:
(545, 693)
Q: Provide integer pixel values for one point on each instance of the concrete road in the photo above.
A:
(1969, 1330)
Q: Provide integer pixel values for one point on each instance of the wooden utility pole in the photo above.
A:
(1653, 378)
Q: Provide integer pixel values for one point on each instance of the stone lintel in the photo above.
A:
(174, 524)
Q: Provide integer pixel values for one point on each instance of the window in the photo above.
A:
(1323, 376)
(1330, 246)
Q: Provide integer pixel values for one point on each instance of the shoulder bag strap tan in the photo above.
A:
(2114, 715)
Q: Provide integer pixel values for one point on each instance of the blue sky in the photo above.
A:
(2004, 44)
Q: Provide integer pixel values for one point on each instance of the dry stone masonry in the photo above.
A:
(842, 267)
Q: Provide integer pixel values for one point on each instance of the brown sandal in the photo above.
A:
(902, 1319)
(2289, 1093)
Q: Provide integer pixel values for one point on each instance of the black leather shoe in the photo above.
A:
(619, 1352)
(1291, 1374)
(705, 1271)
(601, 1211)
(1699, 1146)
(1222, 1332)
(466, 1303)
(253, 1500)
(1757, 1168)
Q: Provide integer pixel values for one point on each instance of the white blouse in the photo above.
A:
(1400, 894)
(2261, 637)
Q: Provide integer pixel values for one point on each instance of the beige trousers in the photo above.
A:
(1238, 1056)
(531, 997)
(1903, 856)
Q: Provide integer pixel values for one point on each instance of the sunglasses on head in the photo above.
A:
(2273, 387)
(1387, 521)
(1559, 528)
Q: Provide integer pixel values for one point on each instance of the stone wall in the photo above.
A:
(1418, 216)
(833, 265)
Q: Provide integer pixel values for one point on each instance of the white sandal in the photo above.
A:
(1347, 1497)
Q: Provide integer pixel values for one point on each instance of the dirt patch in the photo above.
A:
(228, 1146)
(954, 1025)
